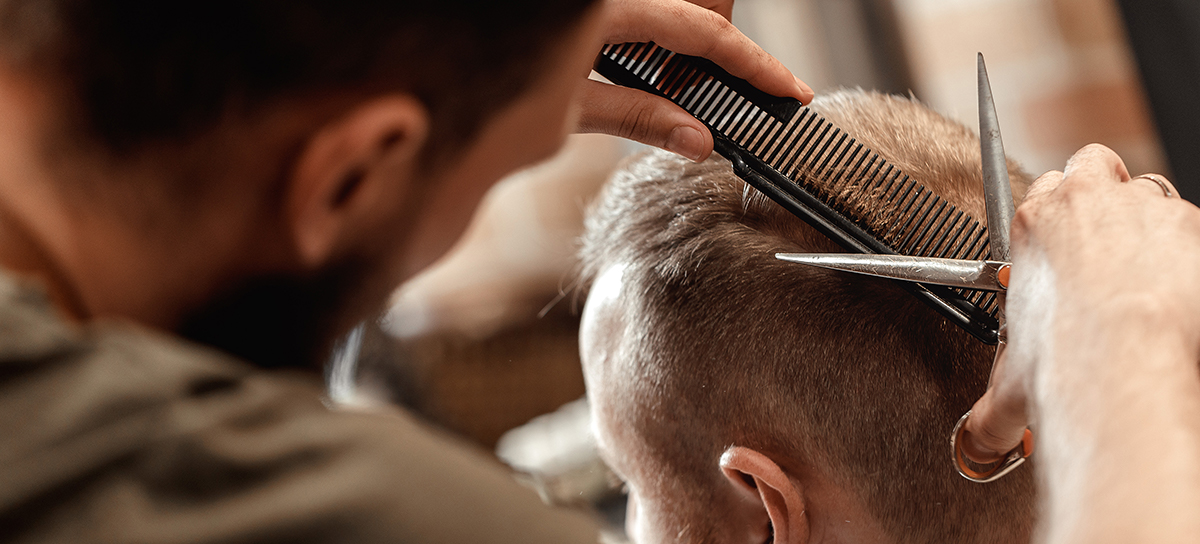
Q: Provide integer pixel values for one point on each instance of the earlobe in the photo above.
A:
(348, 169)
(756, 476)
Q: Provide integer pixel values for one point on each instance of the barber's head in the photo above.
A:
(273, 164)
(745, 399)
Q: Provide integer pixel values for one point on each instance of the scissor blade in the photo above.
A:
(996, 189)
(979, 275)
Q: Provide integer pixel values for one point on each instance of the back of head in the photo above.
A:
(258, 174)
(140, 72)
(722, 344)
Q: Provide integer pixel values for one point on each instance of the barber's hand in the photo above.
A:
(700, 28)
(1098, 254)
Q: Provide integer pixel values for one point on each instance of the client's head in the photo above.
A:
(745, 399)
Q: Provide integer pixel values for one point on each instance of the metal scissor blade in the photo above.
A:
(996, 189)
(979, 275)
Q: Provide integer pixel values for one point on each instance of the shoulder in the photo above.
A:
(119, 433)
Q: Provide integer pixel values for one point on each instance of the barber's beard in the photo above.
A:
(280, 321)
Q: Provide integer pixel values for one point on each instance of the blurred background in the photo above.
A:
(1062, 71)
(484, 343)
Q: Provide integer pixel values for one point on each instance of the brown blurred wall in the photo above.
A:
(1062, 70)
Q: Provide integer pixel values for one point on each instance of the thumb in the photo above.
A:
(998, 420)
(643, 117)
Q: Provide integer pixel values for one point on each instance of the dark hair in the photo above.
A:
(849, 374)
(150, 71)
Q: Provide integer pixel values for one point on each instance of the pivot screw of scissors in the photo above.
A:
(1002, 275)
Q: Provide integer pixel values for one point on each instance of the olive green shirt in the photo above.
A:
(117, 434)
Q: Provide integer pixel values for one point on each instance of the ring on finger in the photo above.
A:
(1166, 186)
(987, 472)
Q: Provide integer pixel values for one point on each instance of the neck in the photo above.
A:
(835, 513)
(22, 253)
(24, 194)
(97, 263)
(89, 267)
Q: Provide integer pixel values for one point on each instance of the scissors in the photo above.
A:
(989, 275)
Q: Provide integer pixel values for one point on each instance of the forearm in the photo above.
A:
(1117, 411)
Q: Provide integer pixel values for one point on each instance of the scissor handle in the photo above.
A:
(987, 472)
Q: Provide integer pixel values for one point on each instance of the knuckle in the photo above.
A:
(1088, 159)
(991, 439)
(1025, 217)
(1100, 153)
(637, 123)
(1098, 149)
(679, 11)
(1023, 229)
(723, 32)
(1046, 181)
(1073, 185)
(1049, 178)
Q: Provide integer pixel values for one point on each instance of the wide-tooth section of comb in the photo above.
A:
(816, 170)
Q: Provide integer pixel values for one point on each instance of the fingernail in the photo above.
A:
(806, 91)
(687, 142)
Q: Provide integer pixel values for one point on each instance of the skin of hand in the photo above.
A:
(1102, 356)
(701, 28)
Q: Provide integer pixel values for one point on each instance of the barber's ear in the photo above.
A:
(352, 169)
(759, 479)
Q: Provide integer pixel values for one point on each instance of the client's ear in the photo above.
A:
(757, 477)
(352, 171)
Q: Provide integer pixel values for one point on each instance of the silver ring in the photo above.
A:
(1161, 181)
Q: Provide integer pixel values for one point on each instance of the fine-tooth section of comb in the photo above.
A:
(816, 171)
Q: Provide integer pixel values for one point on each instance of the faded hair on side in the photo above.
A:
(845, 373)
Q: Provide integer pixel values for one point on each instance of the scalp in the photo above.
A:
(845, 373)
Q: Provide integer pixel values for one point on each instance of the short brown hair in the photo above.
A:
(851, 374)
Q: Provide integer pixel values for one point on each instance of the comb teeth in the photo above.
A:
(890, 212)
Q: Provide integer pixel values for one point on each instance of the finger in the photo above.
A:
(1030, 210)
(998, 419)
(643, 117)
(1044, 185)
(1095, 163)
(686, 28)
(723, 7)
(1157, 183)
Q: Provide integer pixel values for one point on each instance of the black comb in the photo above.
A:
(816, 171)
